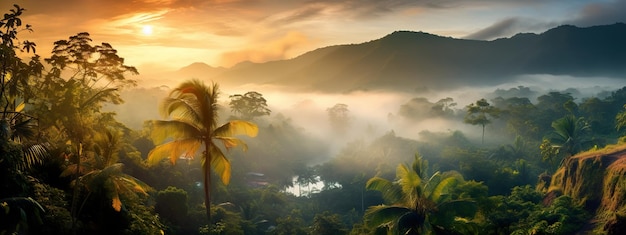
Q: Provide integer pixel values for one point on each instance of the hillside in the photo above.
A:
(406, 61)
(597, 179)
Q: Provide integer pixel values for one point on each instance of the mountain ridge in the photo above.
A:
(407, 60)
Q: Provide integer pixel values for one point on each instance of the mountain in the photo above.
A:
(406, 60)
(200, 70)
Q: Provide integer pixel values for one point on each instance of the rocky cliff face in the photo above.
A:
(597, 179)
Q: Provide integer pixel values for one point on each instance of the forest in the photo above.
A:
(216, 163)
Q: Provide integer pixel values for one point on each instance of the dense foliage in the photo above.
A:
(69, 166)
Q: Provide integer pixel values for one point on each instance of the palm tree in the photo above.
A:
(18, 214)
(419, 205)
(101, 174)
(192, 109)
(570, 134)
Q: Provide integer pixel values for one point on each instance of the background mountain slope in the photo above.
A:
(407, 61)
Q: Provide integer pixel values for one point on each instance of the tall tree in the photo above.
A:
(249, 105)
(418, 204)
(481, 113)
(82, 78)
(339, 117)
(192, 108)
(15, 74)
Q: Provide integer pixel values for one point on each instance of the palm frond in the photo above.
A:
(237, 127)
(383, 216)
(206, 97)
(23, 129)
(390, 191)
(409, 181)
(182, 109)
(420, 166)
(176, 129)
(135, 184)
(409, 223)
(29, 210)
(173, 150)
(231, 142)
(441, 190)
(114, 194)
(220, 164)
(34, 154)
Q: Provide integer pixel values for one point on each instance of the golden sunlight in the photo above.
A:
(147, 30)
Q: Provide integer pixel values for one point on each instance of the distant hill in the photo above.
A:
(200, 70)
(407, 61)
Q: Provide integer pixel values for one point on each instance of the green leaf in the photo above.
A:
(383, 216)
(390, 191)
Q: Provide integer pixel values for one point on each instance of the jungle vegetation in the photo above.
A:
(68, 166)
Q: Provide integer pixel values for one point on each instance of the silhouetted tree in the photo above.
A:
(249, 105)
(339, 117)
(481, 113)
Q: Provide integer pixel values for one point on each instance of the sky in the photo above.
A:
(170, 34)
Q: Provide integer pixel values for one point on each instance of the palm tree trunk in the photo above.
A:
(207, 180)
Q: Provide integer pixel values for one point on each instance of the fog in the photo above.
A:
(372, 113)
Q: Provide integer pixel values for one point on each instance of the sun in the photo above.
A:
(147, 29)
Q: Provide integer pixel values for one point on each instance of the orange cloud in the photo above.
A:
(261, 52)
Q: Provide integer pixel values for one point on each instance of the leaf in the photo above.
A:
(174, 150)
(231, 142)
(20, 107)
(237, 127)
(439, 184)
(136, 184)
(220, 164)
(116, 203)
(182, 109)
(390, 191)
(175, 129)
(380, 216)
(409, 180)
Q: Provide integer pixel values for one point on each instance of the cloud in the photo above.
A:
(499, 29)
(601, 14)
(275, 50)
(301, 14)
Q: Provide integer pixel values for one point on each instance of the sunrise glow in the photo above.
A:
(147, 30)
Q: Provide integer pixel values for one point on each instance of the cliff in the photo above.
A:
(597, 179)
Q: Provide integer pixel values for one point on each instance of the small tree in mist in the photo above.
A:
(249, 105)
(481, 113)
(444, 107)
(339, 118)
